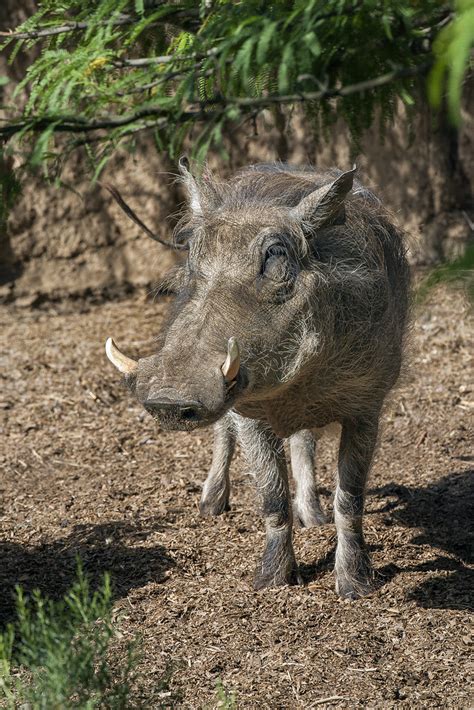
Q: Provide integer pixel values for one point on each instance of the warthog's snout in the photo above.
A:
(177, 409)
(173, 400)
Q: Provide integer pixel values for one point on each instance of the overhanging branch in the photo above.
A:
(81, 26)
(62, 29)
(202, 111)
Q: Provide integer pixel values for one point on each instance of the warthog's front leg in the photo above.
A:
(266, 456)
(307, 508)
(216, 489)
(353, 570)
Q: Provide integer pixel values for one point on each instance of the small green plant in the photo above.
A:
(225, 700)
(58, 654)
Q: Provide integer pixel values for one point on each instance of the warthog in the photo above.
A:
(290, 314)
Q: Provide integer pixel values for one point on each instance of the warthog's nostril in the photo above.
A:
(191, 414)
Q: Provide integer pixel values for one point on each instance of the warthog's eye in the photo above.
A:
(275, 264)
(278, 270)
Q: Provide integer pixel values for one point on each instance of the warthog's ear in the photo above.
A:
(325, 205)
(190, 184)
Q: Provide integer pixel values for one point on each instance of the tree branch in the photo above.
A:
(135, 218)
(197, 111)
(165, 59)
(70, 27)
(79, 26)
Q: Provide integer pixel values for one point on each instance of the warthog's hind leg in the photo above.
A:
(353, 569)
(306, 506)
(266, 457)
(216, 489)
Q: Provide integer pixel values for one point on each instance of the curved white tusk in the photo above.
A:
(230, 368)
(123, 363)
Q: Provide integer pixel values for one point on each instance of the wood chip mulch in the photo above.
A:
(85, 472)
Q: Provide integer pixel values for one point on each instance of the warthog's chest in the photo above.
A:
(286, 417)
(296, 409)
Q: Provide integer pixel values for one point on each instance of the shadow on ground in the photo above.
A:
(51, 567)
(443, 513)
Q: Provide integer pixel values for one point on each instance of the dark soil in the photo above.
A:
(86, 472)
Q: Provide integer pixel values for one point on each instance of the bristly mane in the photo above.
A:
(263, 185)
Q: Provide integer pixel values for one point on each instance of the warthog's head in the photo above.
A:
(243, 294)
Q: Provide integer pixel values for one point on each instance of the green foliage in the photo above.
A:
(452, 49)
(58, 653)
(459, 273)
(109, 69)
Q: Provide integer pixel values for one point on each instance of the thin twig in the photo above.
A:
(163, 79)
(143, 126)
(69, 27)
(330, 699)
(125, 19)
(164, 59)
(359, 87)
(134, 217)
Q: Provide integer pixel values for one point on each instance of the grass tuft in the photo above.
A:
(224, 699)
(60, 655)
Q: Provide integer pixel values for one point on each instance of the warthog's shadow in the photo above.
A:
(443, 513)
(51, 567)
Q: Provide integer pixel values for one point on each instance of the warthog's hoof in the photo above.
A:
(272, 578)
(354, 587)
(309, 516)
(213, 507)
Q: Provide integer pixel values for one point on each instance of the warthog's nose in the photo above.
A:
(162, 406)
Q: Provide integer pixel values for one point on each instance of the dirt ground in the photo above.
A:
(85, 471)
